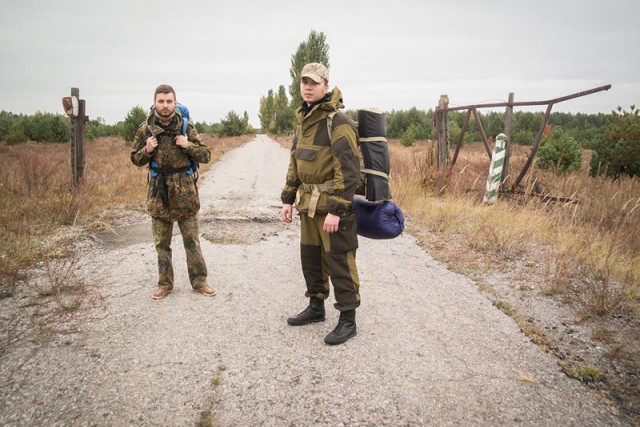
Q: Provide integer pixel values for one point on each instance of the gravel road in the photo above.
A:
(430, 350)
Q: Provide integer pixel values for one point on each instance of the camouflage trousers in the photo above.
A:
(162, 235)
(325, 256)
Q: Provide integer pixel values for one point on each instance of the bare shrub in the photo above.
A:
(36, 172)
(68, 291)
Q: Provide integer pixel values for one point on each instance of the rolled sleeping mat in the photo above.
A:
(378, 220)
(372, 123)
(372, 133)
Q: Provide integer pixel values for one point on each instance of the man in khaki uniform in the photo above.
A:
(323, 174)
(172, 192)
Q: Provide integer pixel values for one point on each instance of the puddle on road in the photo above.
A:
(126, 236)
(218, 230)
(239, 230)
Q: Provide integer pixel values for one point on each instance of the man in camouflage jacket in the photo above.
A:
(172, 194)
(323, 174)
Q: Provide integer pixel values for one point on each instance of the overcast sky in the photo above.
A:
(223, 56)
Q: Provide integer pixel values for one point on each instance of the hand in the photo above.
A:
(285, 213)
(182, 141)
(331, 223)
(151, 145)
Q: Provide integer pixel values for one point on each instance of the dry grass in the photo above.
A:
(593, 245)
(584, 253)
(37, 198)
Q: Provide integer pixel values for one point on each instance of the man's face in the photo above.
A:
(165, 104)
(312, 91)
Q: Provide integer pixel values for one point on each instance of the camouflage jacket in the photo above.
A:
(178, 185)
(317, 159)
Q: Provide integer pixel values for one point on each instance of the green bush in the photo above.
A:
(561, 153)
(408, 137)
(134, 118)
(233, 125)
(617, 152)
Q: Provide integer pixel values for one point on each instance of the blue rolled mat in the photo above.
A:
(378, 220)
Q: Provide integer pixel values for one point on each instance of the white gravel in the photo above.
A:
(430, 349)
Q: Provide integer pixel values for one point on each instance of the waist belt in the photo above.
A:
(159, 185)
(315, 190)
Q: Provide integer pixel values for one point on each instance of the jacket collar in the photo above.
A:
(156, 128)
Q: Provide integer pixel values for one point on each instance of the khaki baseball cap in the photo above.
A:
(316, 72)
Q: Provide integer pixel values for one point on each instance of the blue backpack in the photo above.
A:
(184, 112)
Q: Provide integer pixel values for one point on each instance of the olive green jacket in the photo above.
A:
(182, 198)
(317, 158)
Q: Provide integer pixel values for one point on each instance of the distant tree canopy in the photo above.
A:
(99, 128)
(40, 127)
(410, 125)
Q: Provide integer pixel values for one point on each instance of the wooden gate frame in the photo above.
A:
(442, 127)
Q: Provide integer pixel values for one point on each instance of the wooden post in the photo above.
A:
(442, 126)
(75, 108)
(508, 129)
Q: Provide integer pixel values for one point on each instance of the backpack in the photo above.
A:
(374, 154)
(376, 216)
(184, 112)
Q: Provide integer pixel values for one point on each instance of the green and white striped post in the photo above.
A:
(495, 170)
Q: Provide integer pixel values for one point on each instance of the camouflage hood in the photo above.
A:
(334, 103)
(156, 129)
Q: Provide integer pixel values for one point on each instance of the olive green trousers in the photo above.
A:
(330, 255)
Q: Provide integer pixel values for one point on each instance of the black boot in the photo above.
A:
(345, 329)
(313, 313)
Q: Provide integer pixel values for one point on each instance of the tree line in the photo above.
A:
(614, 138)
(56, 128)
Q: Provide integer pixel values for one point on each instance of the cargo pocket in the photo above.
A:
(346, 238)
(306, 154)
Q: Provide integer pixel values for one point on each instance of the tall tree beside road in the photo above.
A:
(314, 49)
(267, 112)
(276, 112)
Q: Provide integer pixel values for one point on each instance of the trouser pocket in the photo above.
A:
(346, 238)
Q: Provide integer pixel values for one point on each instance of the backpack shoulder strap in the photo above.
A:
(330, 117)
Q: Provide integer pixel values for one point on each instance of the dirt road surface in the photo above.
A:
(430, 350)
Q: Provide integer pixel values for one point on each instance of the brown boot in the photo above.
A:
(206, 290)
(161, 293)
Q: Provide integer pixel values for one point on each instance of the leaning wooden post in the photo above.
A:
(508, 129)
(442, 126)
(75, 108)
